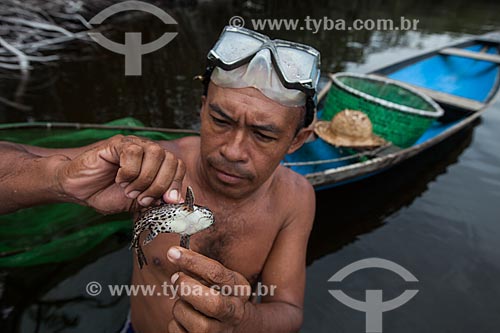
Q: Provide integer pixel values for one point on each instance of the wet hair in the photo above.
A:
(310, 106)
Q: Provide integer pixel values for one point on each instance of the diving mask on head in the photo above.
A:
(286, 72)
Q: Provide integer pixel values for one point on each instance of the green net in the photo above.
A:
(389, 121)
(61, 232)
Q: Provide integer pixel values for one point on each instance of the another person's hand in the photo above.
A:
(109, 176)
(212, 298)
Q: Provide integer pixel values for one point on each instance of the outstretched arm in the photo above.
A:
(27, 179)
(110, 175)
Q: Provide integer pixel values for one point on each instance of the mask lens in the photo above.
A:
(234, 46)
(297, 65)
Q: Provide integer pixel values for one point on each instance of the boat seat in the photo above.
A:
(471, 54)
(451, 100)
(447, 99)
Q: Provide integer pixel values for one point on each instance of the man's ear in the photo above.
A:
(299, 139)
(203, 103)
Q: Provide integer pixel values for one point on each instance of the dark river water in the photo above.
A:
(437, 215)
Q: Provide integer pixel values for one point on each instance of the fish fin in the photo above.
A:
(149, 237)
(135, 239)
(185, 241)
(190, 198)
(141, 258)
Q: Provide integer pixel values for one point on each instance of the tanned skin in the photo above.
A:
(263, 211)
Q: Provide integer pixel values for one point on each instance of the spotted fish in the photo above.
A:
(185, 219)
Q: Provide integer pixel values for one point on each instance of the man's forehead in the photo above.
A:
(250, 97)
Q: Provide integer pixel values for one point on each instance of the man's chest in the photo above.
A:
(240, 242)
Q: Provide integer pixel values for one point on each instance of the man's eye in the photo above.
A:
(264, 138)
(219, 121)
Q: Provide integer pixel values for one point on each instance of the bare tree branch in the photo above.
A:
(37, 25)
(23, 59)
(39, 32)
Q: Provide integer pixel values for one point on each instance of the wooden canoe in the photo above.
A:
(462, 78)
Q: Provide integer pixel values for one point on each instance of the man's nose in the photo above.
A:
(234, 149)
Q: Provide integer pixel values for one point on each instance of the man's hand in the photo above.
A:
(214, 297)
(113, 173)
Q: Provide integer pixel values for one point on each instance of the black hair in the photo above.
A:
(310, 106)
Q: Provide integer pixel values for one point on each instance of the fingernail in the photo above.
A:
(173, 195)
(125, 184)
(146, 201)
(133, 194)
(174, 277)
(173, 253)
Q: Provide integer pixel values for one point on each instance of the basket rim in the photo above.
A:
(432, 114)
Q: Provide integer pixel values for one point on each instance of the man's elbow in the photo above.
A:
(296, 318)
(300, 321)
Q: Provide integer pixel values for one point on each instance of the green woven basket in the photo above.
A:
(398, 112)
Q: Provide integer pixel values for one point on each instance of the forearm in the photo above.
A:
(69, 152)
(271, 317)
(27, 179)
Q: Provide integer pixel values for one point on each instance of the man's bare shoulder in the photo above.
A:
(290, 181)
(295, 193)
(180, 147)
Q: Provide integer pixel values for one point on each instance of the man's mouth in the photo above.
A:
(228, 177)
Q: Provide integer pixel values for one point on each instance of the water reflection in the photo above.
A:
(52, 297)
(364, 206)
(95, 89)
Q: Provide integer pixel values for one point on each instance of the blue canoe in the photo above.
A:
(462, 78)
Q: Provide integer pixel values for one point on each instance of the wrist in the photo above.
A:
(55, 171)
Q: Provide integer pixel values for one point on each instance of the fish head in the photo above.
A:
(200, 219)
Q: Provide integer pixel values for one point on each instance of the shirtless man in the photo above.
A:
(263, 211)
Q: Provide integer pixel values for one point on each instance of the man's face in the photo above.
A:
(244, 136)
